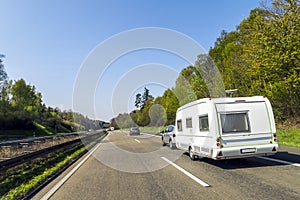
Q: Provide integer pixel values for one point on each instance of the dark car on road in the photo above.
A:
(134, 131)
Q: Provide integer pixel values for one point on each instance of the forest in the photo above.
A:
(261, 57)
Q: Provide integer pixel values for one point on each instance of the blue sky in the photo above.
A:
(46, 42)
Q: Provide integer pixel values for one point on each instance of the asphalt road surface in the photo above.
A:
(138, 167)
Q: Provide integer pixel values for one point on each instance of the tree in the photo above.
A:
(145, 97)
(24, 97)
(138, 101)
(157, 113)
(170, 103)
(183, 88)
(228, 57)
(3, 74)
(4, 97)
(273, 54)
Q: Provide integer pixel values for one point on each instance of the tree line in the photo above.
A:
(261, 57)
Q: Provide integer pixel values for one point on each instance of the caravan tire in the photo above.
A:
(191, 154)
(162, 139)
(171, 145)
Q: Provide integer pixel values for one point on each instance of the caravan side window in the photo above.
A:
(179, 125)
(189, 123)
(203, 123)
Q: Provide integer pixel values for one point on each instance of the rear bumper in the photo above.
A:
(244, 151)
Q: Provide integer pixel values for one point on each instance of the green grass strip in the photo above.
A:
(289, 137)
(21, 190)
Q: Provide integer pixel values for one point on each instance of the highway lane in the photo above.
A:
(249, 178)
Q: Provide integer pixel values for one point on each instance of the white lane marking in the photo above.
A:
(281, 161)
(137, 141)
(62, 181)
(186, 173)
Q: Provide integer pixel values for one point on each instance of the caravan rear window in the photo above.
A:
(235, 122)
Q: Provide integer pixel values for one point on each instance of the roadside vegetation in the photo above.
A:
(289, 137)
(17, 182)
(289, 133)
(260, 58)
(154, 130)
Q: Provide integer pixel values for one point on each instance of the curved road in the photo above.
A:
(113, 176)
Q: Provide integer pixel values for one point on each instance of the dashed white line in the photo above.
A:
(281, 161)
(186, 173)
(62, 181)
(137, 141)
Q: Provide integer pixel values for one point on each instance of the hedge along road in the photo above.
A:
(248, 178)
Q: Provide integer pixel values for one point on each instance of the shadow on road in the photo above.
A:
(253, 162)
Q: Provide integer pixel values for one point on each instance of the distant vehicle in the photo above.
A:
(134, 131)
(168, 136)
(225, 128)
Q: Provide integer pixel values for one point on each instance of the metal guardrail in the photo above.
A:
(6, 164)
(31, 140)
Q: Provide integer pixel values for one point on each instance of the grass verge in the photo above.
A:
(25, 185)
(289, 137)
(152, 129)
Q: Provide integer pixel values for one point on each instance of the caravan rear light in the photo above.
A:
(174, 135)
(218, 142)
(275, 137)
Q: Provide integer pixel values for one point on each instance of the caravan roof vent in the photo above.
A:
(231, 91)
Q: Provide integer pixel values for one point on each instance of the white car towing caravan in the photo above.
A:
(225, 128)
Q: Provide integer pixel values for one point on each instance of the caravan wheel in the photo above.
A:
(171, 145)
(162, 139)
(191, 154)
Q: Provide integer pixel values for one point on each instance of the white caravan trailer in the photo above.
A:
(225, 128)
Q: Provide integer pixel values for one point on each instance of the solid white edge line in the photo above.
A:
(62, 181)
(281, 161)
(186, 173)
(137, 141)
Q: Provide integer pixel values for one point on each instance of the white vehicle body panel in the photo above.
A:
(230, 127)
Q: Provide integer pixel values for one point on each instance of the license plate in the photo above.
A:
(249, 150)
